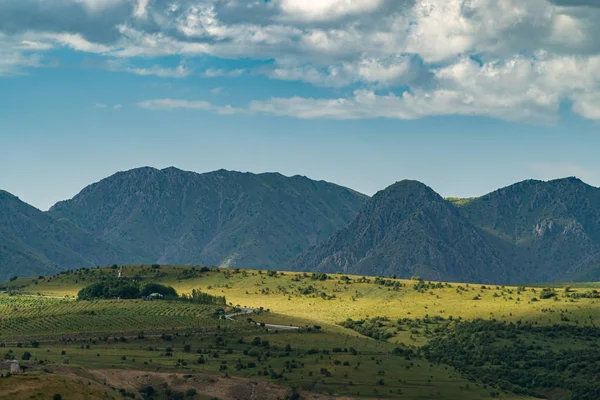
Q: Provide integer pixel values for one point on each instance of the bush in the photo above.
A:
(319, 276)
(14, 278)
(26, 356)
(196, 296)
(147, 392)
(150, 288)
(110, 290)
(547, 293)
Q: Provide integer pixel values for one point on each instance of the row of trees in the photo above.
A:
(124, 289)
(196, 296)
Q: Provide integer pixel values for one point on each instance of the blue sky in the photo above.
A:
(466, 97)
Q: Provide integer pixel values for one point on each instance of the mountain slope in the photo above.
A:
(32, 243)
(408, 229)
(218, 218)
(550, 230)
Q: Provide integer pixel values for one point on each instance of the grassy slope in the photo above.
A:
(280, 295)
(86, 322)
(411, 379)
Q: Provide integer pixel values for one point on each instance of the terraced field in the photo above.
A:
(28, 317)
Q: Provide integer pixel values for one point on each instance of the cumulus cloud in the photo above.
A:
(217, 72)
(325, 9)
(180, 71)
(510, 59)
(141, 9)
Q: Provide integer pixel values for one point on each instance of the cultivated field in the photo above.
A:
(359, 336)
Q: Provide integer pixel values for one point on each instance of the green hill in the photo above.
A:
(358, 336)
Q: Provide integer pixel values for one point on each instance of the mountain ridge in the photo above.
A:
(530, 231)
(397, 233)
(218, 218)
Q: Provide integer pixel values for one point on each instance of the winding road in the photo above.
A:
(247, 311)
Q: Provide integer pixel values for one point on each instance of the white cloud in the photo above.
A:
(216, 90)
(508, 59)
(141, 9)
(101, 105)
(12, 62)
(99, 5)
(320, 10)
(521, 88)
(34, 45)
(216, 72)
(587, 105)
(78, 42)
(180, 71)
(117, 106)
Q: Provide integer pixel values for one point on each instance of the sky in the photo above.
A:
(466, 96)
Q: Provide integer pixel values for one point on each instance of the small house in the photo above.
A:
(11, 366)
(155, 296)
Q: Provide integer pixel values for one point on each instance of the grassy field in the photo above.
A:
(312, 363)
(298, 297)
(30, 317)
(367, 342)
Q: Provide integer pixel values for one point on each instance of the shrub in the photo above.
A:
(196, 296)
(319, 276)
(547, 293)
(147, 392)
(150, 288)
(109, 290)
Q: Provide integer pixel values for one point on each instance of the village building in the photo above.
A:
(10, 366)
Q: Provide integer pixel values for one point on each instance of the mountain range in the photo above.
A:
(171, 216)
(532, 231)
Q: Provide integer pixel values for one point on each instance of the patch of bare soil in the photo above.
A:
(74, 383)
(223, 388)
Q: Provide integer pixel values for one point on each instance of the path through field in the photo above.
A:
(247, 311)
